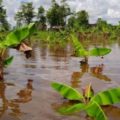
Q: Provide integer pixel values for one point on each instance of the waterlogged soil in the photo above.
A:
(26, 92)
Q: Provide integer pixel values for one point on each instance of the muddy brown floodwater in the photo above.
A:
(26, 93)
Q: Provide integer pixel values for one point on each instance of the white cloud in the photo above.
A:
(107, 9)
(113, 13)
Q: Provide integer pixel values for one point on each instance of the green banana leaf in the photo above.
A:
(14, 38)
(8, 61)
(17, 36)
(99, 51)
(79, 49)
(72, 109)
(81, 53)
(67, 91)
(108, 97)
(76, 43)
(31, 28)
(94, 110)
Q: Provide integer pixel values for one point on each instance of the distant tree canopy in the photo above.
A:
(83, 18)
(57, 14)
(79, 19)
(102, 25)
(25, 14)
(4, 25)
(71, 21)
(41, 18)
(19, 18)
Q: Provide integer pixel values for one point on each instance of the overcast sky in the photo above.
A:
(106, 9)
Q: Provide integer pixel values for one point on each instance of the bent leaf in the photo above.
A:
(67, 91)
(108, 97)
(72, 109)
(31, 28)
(17, 36)
(82, 53)
(14, 38)
(94, 110)
(8, 61)
(79, 49)
(99, 51)
(76, 43)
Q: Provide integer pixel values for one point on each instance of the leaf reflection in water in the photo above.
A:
(96, 72)
(13, 105)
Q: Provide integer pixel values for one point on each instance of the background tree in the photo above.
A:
(41, 17)
(64, 10)
(26, 13)
(4, 25)
(57, 14)
(82, 18)
(102, 25)
(71, 22)
(19, 18)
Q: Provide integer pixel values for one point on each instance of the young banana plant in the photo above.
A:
(87, 101)
(80, 51)
(15, 40)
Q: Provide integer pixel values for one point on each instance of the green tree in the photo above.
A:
(102, 25)
(19, 18)
(26, 13)
(41, 17)
(57, 14)
(82, 18)
(71, 21)
(4, 25)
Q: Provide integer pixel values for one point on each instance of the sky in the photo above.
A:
(107, 9)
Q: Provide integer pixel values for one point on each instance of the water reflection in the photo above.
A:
(4, 101)
(43, 51)
(25, 95)
(49, 64)
(96, 72)
(75, 79)
(112, 112)
(13, 105)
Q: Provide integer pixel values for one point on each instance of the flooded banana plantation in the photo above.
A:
(26, 91)
(59, 60)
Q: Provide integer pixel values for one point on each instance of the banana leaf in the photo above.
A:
(15, 37)
(72, 109)
(81, 53)
(76, 43)
(99, 51)
(94, 110)
(67, 91)
(8, 61)
(108, 97)
(31, 28)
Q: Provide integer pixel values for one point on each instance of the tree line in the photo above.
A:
(58, 16)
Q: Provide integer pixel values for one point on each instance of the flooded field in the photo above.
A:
(26, 93)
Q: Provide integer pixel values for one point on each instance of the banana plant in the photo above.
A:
(80, 51)
(87, 101)
(15, 39)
